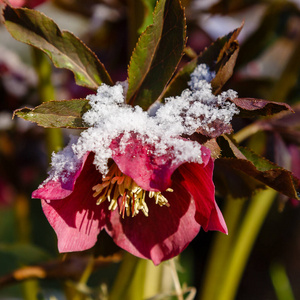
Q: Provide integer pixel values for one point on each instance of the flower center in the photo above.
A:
(116, 185)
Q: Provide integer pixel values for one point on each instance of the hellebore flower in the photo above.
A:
(135, 176)
(26, 3)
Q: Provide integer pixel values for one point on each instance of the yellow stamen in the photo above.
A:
(115, 185)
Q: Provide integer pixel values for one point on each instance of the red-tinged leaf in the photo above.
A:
(287, 119)
(251, 107)
(262, 170)
(233, 182)
(56, 114)
(286, 123)
(219, 128)
(63, 48)
(219, 56)
(225, 7)
(225, 67)
(157, 54)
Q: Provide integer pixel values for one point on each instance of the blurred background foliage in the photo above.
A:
(268, 67)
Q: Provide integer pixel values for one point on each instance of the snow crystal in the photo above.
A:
(110, 118)
(64, 162)
(201, 75)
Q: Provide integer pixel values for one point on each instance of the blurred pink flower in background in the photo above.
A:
(26, 3)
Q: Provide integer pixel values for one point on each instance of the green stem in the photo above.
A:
(154, 282)
(129, 283)
(246, 132)
(221, 249)
(88, 271)
(46, 90)
(54, 142)
(281, 282)
(30, 288)
(77, 291)
(256, 214)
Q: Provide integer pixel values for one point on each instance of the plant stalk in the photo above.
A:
(250, 227)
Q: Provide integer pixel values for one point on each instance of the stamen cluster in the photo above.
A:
(116, 186)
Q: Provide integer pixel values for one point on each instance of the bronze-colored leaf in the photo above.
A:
(219, 56)
(251, 107)
(258, 168)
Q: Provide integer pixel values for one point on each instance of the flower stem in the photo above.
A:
(217, 259)
(88, 271)
(156, 280)
(281, 282)
(30, 288)
(246, 132)
(76, 291)
(129, 283)
(256, 213)
(46, 92)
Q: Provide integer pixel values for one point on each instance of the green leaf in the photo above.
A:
(24, 253)
(258, 168)
(157, 54)
(149, 6)
(219, 56)
(63, 48)
(56, 114)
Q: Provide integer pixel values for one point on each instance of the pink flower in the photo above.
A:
(132, 174)
(26, 3)
(184, 193)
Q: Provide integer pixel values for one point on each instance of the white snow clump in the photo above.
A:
(109, 118)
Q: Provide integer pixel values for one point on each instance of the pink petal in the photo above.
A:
(165, 233)
(197, 179)
(77, 219)
(57, 189)
(152, 173)
(27, 3)
(295, 157)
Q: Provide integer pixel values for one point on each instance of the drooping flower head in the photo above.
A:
(137, 175)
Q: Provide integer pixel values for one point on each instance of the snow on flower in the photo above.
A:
(137, 175)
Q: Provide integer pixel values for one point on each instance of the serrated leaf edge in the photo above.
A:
(62, 32)
(15, 113)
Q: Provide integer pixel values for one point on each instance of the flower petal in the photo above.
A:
(197, 179)
(151, 173)
(77, 219)
(165, 233)
(58, 189)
